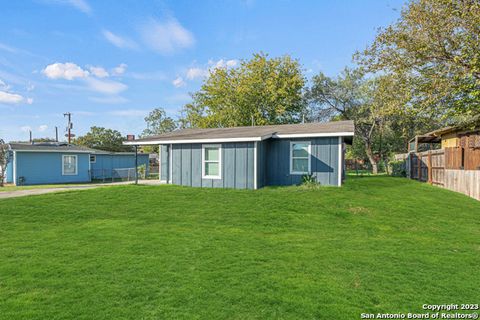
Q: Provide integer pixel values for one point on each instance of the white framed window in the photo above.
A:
(300, 159)
(69, 165)
(211, 161)
(93, 158)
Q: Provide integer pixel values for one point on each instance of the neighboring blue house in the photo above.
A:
(50, 163)
(253, 157)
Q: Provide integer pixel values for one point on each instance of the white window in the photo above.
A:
(300, 157)
(69, 167)
(93, 158)
(211, 161)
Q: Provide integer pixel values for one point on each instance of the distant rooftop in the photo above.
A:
(252, 133)
(58, 147)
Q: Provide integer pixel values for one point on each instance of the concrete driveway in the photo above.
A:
(36, 191)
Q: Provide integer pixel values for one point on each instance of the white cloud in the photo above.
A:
(178, 82)
(196, 73)
(7, 48)
(68, 71)
(129, 113)
(94, 79)
(26, 128)
(120, 69)
(98, 72)
(43, 128)
(118, 41)
(106, 86)
(223, 63)
(3, 85)
(109, 100)
(80, 5)
(166, 37)
(13, 98)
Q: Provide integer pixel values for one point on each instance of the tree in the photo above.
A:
(103, 139)
(347, 97)
(263, 90)
(4, 159)
(434, 51)
(158, 123)
(382, 123)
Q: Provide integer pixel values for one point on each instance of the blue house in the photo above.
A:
(253, 157)
(50, 163)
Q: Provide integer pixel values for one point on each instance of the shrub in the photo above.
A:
(398, 168)
(142, 171)
(310, 182)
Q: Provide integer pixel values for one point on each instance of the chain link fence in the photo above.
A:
(116, 175)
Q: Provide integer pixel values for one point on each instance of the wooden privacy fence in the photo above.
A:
(446, 168)
(428, 166)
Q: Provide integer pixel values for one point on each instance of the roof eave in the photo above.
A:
(248, 139)
(179, 141)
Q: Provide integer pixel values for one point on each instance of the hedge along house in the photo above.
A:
(50, 163)
(253, 157)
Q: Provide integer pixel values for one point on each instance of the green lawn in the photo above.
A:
(378, 244)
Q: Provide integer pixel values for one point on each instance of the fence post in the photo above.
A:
(136, 164)
(429, 168)
(419, 168)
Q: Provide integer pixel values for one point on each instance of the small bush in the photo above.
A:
(142, 170)
(310, 182)
(398, 168)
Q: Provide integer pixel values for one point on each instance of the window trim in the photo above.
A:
(63, 165)
(309, 150)
(94, 157)
(219, 146)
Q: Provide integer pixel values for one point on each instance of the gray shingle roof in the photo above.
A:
(63, 147)
(252, 133)
(60, 147)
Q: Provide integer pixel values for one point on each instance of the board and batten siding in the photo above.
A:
(164, 161)
(324, 161)
(237, 169)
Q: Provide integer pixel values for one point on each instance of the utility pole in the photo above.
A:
(31, 140)
(56, 134)
(136, 164)
(69, 126)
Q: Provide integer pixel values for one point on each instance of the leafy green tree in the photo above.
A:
(4, 159)
(103, 139)
(158, 123)
(347, 97)
(383, 124)
(433, 52)
(263, 90)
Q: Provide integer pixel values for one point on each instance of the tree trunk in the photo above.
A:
(369, 152)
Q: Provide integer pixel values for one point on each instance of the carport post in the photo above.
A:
(136, 164)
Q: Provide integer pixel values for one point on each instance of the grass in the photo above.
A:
(378, 244)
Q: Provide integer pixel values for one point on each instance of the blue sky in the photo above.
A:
(110, 62)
